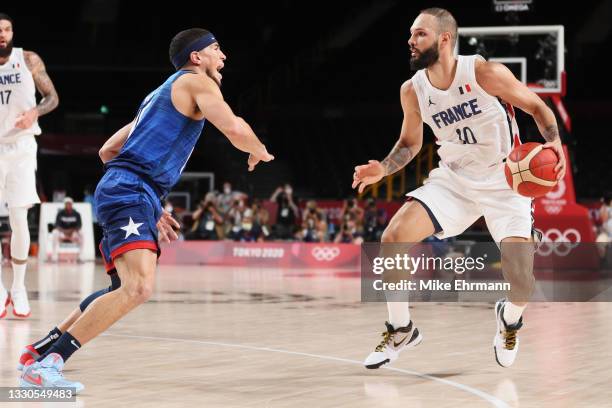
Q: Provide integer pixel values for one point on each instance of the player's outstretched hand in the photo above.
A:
(167, 227)
(254, 160)
(367, 174)
(558, 149)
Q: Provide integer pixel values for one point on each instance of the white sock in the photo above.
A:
(512, 313)
(399, 314)
(19, 271)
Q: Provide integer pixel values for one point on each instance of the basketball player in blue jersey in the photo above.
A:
(22, 73)
(143, 160)
(462, 100)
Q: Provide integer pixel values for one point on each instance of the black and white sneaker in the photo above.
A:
(393, 343)
(505, 342)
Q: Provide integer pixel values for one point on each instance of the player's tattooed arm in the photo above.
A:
(411, 135)
(399, 157)
(551, 133)
(43, 83)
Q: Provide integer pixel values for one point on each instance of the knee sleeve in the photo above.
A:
(115, 284)
(115, 281)
(20, 237)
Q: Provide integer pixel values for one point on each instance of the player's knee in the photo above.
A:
(518, 271)
(390, 234)
(139, 290)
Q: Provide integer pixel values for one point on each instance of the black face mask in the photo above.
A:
(5, 52)
(426, 59)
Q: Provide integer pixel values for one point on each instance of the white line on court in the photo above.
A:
(496, 402)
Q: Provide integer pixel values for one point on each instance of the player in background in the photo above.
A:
(21, 74)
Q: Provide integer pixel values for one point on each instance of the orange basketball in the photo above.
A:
(530, 169)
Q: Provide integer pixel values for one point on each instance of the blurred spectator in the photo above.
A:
(233, 219)
(351, 208)
(605, 216)
(349, 233)
(250, 230)
(375, 222)
(286, 214)
(67, 228)
(206, 220)
(261, 217)
(227, 197)
(314, 225)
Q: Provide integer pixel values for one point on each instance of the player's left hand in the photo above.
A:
(166, 227)
(26, 119)
(557, 147)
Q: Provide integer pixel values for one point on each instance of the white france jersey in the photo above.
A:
(474, 130)
(17, 95)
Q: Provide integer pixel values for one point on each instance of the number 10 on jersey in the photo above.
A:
(466, 135)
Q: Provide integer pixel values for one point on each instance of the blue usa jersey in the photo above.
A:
(160, 141)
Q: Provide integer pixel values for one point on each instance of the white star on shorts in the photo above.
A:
(131, 228)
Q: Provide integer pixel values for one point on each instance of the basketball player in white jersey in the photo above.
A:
(457, 97)
(21, 73)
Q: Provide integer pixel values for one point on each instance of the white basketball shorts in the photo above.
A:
(18, 172)
(457, 201)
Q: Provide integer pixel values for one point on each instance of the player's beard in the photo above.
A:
(6, 51)
(426, 58)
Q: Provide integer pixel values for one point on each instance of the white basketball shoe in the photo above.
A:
(19, 300)
(393, 343)
(505, 342)
(5, 300)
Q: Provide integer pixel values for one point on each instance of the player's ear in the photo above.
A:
(445, 38)
(195, 58)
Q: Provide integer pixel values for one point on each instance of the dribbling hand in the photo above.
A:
(557, 147)
(367, 174)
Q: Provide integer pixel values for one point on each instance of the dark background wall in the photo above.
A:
(319, 81)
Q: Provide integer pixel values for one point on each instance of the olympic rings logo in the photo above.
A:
(325, 253)
(558, 192)
(559, 243)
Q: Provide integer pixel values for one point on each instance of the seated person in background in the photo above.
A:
(233, 220)
(227, 196)
(349, 233)
(353, 210)
(375, 221)
(250, 229)
(314, 225)
(206, 219)
(261, 217)
(287, 212)
(67, 228)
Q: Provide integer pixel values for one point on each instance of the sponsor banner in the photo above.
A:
(468, 271)
(264, 254)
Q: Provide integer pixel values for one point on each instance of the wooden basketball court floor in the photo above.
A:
(248, 337)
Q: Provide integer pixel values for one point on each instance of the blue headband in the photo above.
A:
(182, 57)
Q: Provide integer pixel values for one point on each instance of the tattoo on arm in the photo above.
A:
(43, 83)
(398, 158)
(550, 133)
